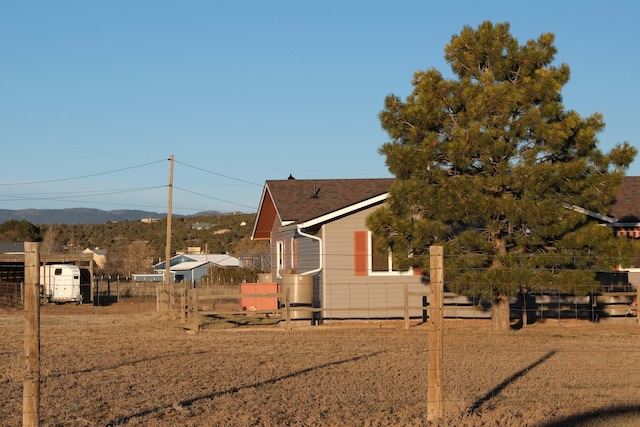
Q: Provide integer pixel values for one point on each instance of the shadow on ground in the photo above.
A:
(600, 417)
(188, 402)
(498, 389)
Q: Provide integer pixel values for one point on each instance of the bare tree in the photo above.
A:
(138, 258)
(49, 243)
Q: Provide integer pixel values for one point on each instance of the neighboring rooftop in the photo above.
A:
(626, 206)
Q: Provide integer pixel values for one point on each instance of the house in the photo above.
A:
(188, 267)
(99, 256)
(317, 228)
(202, 226)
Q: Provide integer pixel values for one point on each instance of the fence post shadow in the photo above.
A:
(498, 389)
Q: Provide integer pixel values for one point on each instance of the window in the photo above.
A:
(381, 260)
(279, 257)
(370, 260)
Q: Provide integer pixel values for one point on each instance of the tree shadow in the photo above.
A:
(498, 389)
(603, 416)
(184, 403)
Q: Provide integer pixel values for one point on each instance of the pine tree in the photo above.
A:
(489, 163)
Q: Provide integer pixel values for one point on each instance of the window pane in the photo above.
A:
(379, 258)
(379, 263)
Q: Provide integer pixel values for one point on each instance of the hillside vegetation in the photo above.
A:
(125, 240)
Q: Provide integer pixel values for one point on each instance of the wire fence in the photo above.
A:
(358, 301)
(535, 377)
(269, 303)
(11, 296)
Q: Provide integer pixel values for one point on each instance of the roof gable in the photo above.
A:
(299, 201)
(266, 215)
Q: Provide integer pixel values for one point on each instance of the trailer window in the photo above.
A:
(58, 272)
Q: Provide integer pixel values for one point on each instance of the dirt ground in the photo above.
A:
(126, 364)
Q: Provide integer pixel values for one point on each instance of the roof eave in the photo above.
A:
(338, 213)
(587, 212)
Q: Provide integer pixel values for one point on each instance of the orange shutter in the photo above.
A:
(360, 253)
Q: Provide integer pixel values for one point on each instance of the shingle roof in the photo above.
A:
(626, 206)
(11, 247)
(189, 265)
(219, 259)
(300, 200)
(179, 261)
(293, 199)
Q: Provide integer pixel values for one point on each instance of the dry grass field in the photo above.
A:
(128, 365)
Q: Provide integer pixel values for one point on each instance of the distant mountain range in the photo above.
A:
(83, 215)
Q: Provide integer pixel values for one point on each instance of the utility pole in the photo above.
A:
(167, 253)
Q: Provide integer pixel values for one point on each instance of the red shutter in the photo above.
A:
(360, 253)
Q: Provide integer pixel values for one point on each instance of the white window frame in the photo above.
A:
(279, 257)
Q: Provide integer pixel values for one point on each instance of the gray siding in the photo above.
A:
(345, 295)
(308, 254)
(285, 236)
(307, 250)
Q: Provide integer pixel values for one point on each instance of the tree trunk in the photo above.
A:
(500, 314)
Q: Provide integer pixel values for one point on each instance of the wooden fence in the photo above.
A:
(197, 306)
(190, 305)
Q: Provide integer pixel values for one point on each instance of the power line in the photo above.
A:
(217, 174)
(84, 176)
(213, 198)
(64, 195)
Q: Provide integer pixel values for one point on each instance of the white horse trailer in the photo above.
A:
(61, 283)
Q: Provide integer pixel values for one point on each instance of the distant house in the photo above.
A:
(201, 226)
(150, 220)
(188, 268)
(99, 256)
(317, 227)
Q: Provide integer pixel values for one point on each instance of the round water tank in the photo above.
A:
(300, 289)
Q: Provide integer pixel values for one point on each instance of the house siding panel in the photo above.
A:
(308, 254)
(347, 295)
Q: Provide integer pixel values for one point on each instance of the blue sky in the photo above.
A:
(96, 96)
